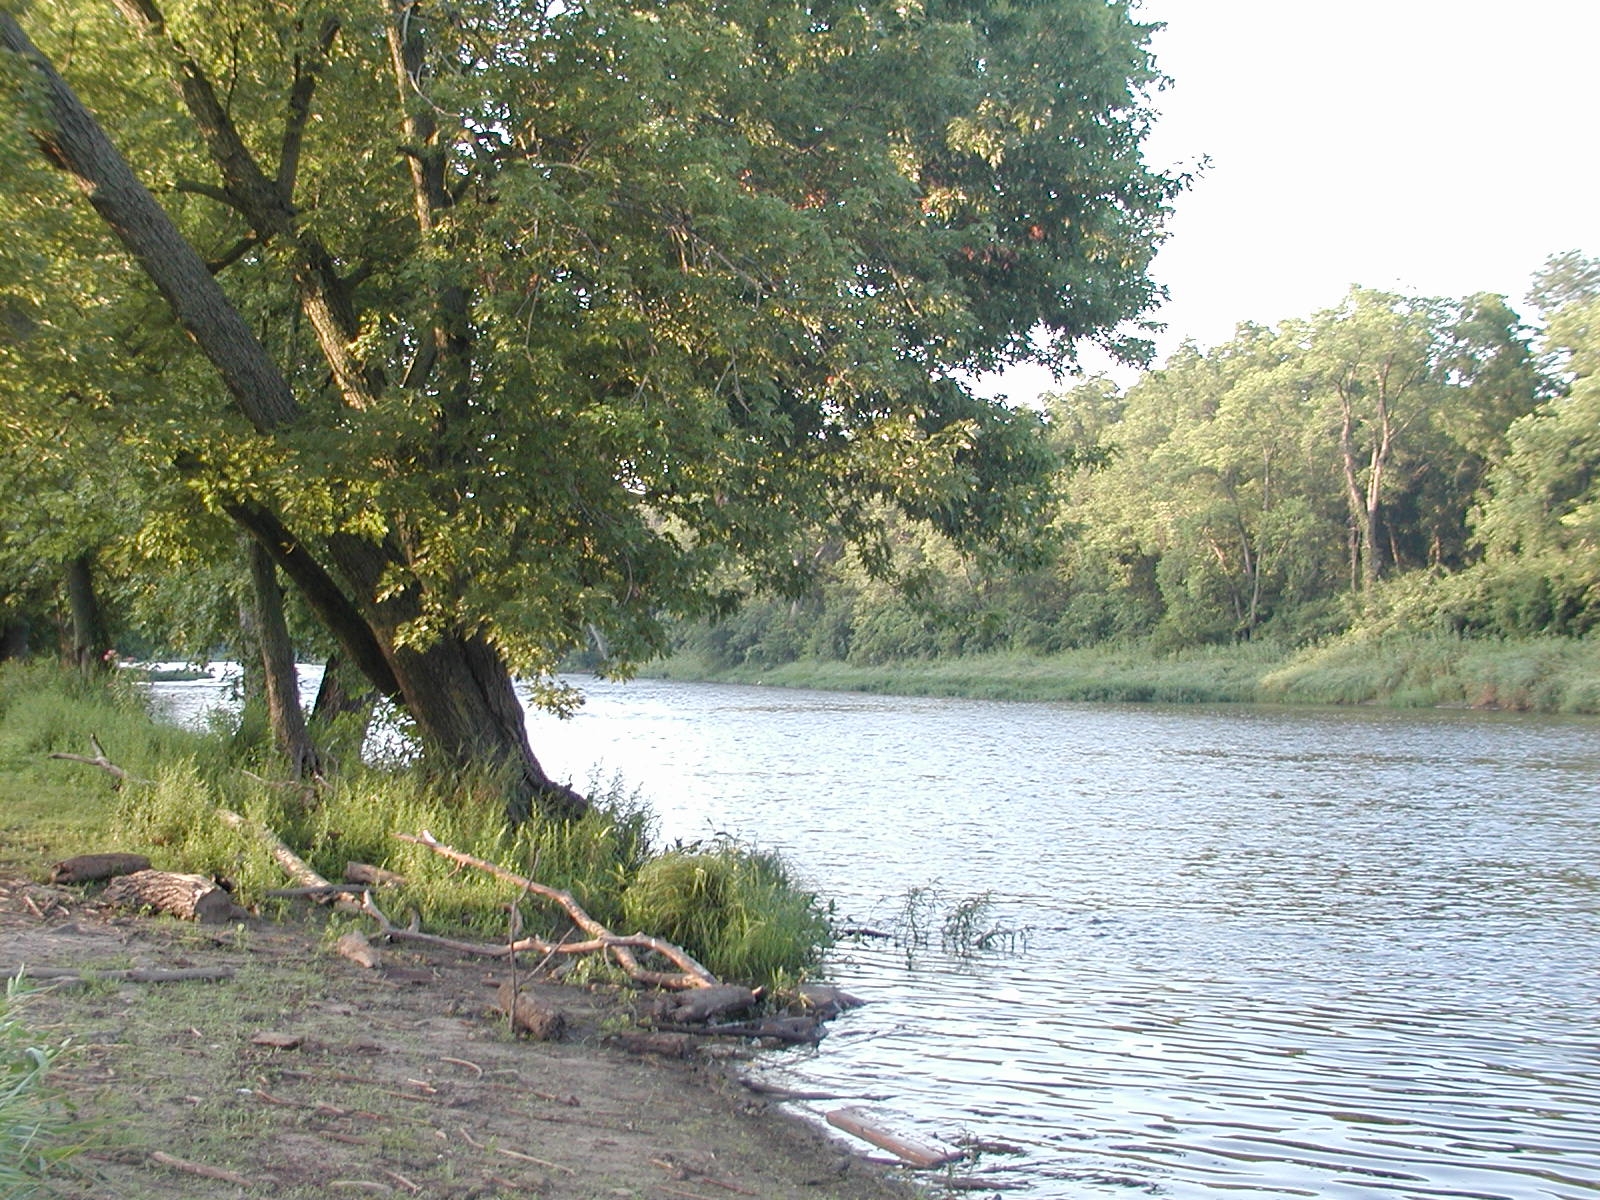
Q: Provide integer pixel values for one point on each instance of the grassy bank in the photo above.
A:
(1554, 675)
(735, 908)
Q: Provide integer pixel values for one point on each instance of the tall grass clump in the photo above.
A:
(594, 857)
(32, 1125)
(737, 909)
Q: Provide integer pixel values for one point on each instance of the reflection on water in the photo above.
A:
(1279, 953)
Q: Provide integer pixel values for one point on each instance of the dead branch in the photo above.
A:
(77, 977)
(205, 1172)
(105, 764)
(692, 974)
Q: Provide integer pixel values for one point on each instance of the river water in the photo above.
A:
(1260, 952)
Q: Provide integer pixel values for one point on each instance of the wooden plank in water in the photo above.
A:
(860, 1123)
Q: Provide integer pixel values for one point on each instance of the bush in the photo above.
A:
(736, 909)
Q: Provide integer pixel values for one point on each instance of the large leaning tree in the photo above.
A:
(529, 321)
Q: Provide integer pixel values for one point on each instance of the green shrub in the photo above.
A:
(736, 909)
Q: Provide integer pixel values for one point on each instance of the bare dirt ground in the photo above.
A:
(304, 1075)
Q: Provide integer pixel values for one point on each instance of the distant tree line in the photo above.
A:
(1394, 461)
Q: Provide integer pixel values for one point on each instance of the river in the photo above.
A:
(1259, 952)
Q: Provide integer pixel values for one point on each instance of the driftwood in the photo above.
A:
(529, 1017)
(359, 872)
(191, 897)
(862, 1124)
(701, 1004)
(88, 868)
(358, 950)
(690, 974)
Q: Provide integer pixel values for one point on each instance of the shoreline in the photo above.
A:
(1537, 675)
(304, 1075)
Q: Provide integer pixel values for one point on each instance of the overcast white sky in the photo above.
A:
(1440, 147)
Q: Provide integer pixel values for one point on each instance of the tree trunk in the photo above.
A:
(90, 646)
(334, 695)
(14, 639)
(281, 682)
(459, 689)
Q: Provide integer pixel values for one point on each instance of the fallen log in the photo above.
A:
(189, 897)
(90, 868)
(701, 1004)
(100, 760)
(528, 1016)
(862, 1124)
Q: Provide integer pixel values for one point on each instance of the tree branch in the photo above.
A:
(72, 138)
(306, 75)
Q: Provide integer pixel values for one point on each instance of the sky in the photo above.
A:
(1435, 147)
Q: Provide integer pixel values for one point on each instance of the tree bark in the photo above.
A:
(189, 897)
(90, 644)
(282, 683)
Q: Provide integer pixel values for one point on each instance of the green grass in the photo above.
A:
(1401, 670)
(1549, 675)
(32, 1124)
(1126, 674)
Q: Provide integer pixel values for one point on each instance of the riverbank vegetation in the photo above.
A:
(1392, 501)
(736, 908)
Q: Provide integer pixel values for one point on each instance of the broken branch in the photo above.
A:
(691, 973)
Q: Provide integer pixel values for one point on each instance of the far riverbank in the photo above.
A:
(1548, 675)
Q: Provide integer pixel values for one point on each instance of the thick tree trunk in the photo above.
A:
(90, 645)
(458, 689)
(281, 682)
